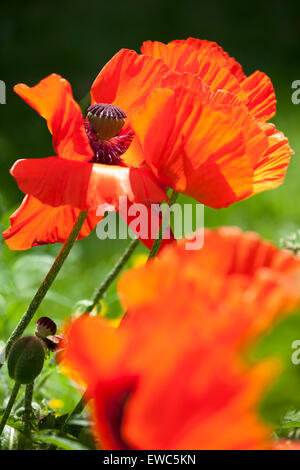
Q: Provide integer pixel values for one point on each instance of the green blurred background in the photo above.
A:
(75, 39)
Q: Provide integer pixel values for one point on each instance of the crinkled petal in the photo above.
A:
(256, 139)
(197, 149)
(127, 79)
(260, 96)
(215, 53)
(182, 58)
(35, 223)
(271, 167)
(52, 98)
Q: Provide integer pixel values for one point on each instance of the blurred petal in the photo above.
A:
(234, 276)
(164, 390)
(52, 98)
(35, 223)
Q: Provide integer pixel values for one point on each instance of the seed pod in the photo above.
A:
(106, 120)
(25, 359)
(45, 327)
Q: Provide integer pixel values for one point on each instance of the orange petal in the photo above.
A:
(187, 80)
(159, 389)
(153, 221)
(215, 53)
(255, 138)
(82, 185)
(242, 275)
(260, 96)
(126, 80)
(194, 147)
(97, 336)
(271, 167)
(35, 223)
(182, 57)
(52, 98)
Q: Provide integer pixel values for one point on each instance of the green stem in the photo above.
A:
(77, 410)
(112, 275)
(157, 243)
(47, 282)
(38, 386)
(9, 406)
(28, 407)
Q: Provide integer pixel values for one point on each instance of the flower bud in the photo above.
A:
(106, 120)
(25, 359)
(45, 327)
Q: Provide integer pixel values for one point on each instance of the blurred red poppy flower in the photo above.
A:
(173, 376)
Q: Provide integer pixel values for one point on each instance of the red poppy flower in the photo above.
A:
(88, 171)
(172, 376)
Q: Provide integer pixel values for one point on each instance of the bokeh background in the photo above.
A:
(75, 39)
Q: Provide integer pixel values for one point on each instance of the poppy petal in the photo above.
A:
(35, 223)
(182, 58)
(52, 98)
(126, 80)
(244, 272)
(196, 148)
(82, 185)
(256, 139)
(270, 169)
(152, 220)
(260, 96)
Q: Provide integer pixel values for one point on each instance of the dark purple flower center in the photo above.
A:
(103, 125)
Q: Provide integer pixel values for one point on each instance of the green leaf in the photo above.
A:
(60, 442)
(291, 424)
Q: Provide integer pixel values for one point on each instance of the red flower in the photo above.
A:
(58, 188)
(172, 376)
(194, 123)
